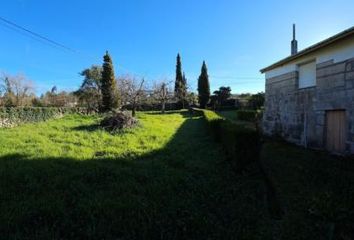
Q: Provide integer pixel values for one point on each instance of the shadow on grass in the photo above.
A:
(88, 128)
(232, 116)
(179, 192)
(185, 113)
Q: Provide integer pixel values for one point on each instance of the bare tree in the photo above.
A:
(59, 99)
(17, 89)
(131, 91)
(162, 94)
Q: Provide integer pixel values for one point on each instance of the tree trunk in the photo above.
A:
(133, 110)
(163, 106)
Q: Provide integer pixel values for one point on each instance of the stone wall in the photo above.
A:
(298, 115)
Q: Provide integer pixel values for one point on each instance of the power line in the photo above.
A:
(36, 34)
(45, 40)
(9, 27)
(39, 37)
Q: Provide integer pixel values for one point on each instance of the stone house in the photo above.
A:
(309, 97)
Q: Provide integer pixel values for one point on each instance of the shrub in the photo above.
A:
(240, 143)
(13, 116)
(247, 115)
(214, 123)
(118, 121)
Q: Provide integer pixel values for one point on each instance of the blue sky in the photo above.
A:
(235, 38)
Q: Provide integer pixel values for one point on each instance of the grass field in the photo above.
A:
(315, 190)
(166, 179)
(231, 115)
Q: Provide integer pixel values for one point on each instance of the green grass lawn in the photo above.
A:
(230, 114)
(166, 179)
(315, 190)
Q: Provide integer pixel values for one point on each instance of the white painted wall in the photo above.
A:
(339, 51)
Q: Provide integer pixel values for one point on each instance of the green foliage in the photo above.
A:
(203, 87)
(110, 98)
(89, 93)
(247, 115)
(229, 114)
(180, 83)
(241, 143)
(179, 77)
(184, 89)
(214, 123)
(69, 179)
(222, 94)
(13, 116)
(36, 102)
(192, 99)
(256, 101)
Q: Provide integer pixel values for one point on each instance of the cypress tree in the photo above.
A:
(109, 86)
(203, 87)
(179, 78)
(184, 89)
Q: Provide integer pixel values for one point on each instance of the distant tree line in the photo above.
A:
(18, 91)
(102, 91)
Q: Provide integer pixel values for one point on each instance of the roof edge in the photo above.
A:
(311, 49)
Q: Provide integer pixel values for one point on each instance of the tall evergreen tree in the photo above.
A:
(109, 86)
(184, 89)
(179, 79)
(203, 87)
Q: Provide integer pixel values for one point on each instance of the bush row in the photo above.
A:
(240, 143)
(247, 115)
(155, 106)
(12, 116)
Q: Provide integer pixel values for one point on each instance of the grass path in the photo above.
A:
(67, 179)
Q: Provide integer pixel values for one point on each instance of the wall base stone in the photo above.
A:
(299, 115)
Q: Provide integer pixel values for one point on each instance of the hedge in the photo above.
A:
(13, 116)
(247, 115)
(240, 143)
(154, 106)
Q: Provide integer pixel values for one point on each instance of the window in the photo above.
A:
(307, 75)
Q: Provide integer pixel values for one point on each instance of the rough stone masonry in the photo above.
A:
(298, 115)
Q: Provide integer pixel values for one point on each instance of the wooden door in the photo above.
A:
(336, 131)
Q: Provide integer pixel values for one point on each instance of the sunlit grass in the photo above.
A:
(165, 179)
(77, 137)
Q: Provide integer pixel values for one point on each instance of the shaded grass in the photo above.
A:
(232, 116)
(66, 179)
(316, 190)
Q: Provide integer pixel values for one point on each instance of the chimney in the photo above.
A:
(294, 42)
